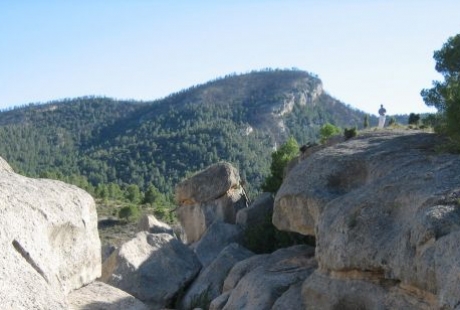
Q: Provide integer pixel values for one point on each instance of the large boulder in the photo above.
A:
(291, 299)
(208, 184)
(209, 283)
(384, 203)
(98, 295)
(365, 290)
(257, 212)
(149, 222)
(152, 268)
(48, 239)
(214, 194)
(218, 236)
(267, 279)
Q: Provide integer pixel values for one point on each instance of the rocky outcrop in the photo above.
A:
(98, 295)
(257, 283)
(151, 267)
(209, 283)
(384, 208)
(214, 194)
(257, 212)
(216, 238)
(150, 224)
(4, 166)
(49, 241)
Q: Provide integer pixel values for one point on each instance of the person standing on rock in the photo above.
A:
(382, 116)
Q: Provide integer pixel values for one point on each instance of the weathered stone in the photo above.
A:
(149, 223)
(207, 185)
(218, 236)
(361, 290)
(98, 295)
(386, 203)
(257, 212)
(291, 299)
(48, 239)
(220, 301)
(263, 285)
(4, 166)
(241, 269)
(151, 267)
(209, 283)
(214, 194)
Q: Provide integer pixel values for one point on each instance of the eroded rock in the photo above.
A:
(214, 194)
(274, 274)
(152, 268)
(49, 241)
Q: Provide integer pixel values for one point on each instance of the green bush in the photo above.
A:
(328, 130)
(414, 119)
(350, 133)
(366, 121)
(280, 159)
(129, 213)
(445, 95)
(392, 121)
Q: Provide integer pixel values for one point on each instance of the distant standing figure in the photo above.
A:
(382, 116)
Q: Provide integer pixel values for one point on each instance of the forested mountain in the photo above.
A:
(238, 118)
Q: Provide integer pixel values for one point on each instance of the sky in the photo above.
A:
(366, 52)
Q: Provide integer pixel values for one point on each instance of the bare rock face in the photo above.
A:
(48, 239)
(257, 212)
(149, 222)
(361, 290)
(216, 238)
(214, 194)
(4, 166)
(98, 295)
(208, 185)
(260, 280)
(151, 267)
(384, 203)
(210, 282)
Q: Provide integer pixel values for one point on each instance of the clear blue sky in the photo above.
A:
(366, 52)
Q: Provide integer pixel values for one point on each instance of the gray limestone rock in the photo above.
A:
(384, 202)
(98, 295)
(218, 236)
(207, 185)
(262, 285)
(149, 222)
(151, 267)
(214, 194)
(48, 240)
(257, 212)
(210, 281)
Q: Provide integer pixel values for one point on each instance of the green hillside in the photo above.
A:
(238, 118)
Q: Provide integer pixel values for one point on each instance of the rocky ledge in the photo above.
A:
(385, 210)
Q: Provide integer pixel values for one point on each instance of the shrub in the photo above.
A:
(366, 121)
(445, 95)
(280, 159)
(350, 133)
(328, 130)
(414, 119)
(130, 212)
(392, 121)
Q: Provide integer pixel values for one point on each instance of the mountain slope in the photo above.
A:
(238, 118)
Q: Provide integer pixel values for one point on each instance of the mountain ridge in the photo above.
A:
(237, 118)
